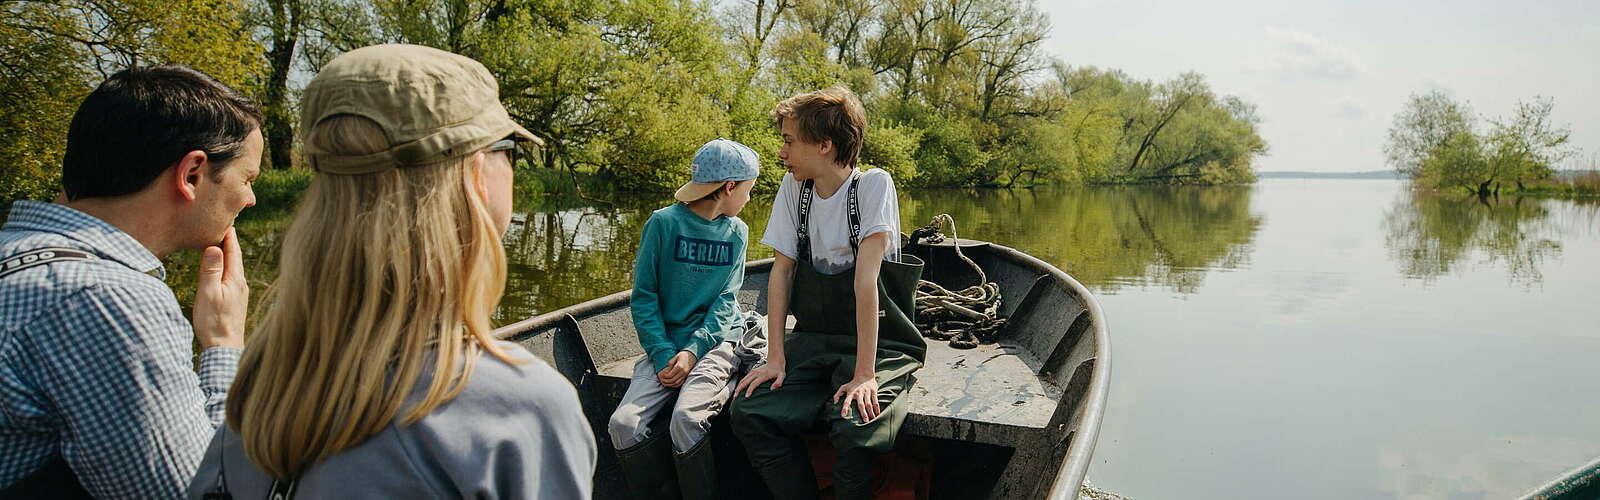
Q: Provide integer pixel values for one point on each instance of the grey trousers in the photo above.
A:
(704, 393)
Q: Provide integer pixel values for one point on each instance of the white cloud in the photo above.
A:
(1297, 54)
(1349, 108)
(1090, 4)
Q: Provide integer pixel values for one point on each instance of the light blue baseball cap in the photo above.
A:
(719, 161)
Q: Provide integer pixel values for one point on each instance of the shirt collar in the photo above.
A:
(101, 237)
(689, 213)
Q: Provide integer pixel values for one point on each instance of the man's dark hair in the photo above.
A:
(141, 120)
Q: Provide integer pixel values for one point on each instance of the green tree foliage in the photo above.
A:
(1179, 131)
(52, 53)
(39, 84)
(959, 92)
(1435, 142)
(1422, 126)
(626, 89)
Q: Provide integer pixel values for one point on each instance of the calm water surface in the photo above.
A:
(1297, 338)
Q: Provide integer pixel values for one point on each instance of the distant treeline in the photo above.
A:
(1373, 174)
(958, 91)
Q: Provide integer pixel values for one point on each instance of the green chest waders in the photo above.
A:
(820, 354)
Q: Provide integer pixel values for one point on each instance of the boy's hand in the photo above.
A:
(864, 393)
(677, 369)
(772, 371)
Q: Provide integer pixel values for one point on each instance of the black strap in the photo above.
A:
(280, 490)
(805, 217)
(38, 257)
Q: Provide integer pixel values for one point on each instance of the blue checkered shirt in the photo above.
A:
(95, 362)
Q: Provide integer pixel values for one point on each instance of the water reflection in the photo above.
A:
(1431, 235)
(562, 257)
(1442, 465)
(562, 251)
(1109, 237)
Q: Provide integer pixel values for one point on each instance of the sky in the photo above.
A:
(1328, 76)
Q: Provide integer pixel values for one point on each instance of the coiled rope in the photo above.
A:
(965, 317)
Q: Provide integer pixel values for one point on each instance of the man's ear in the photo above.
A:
(727, 187)
(186, 173)
(826, 147)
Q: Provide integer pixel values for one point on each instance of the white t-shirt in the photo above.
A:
(830, 220)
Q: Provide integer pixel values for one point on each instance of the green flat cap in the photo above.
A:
(431, 104)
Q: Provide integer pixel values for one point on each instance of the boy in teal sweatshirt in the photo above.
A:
(686, 311)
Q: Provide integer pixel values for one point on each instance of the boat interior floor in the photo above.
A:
(992, 384)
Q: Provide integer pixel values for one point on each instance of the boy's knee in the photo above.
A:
(687, 427)
(741, 420)
(624, 426)
(684, 417)
(687, 420)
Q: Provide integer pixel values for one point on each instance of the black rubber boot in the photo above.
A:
(648, 467)
(697, 471)
(791, 478)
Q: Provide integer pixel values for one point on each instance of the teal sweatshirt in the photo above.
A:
(686, 282)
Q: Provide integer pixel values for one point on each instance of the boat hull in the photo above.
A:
(1017, 418)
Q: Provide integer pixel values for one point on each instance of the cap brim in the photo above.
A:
(695, 191)
(524, 134)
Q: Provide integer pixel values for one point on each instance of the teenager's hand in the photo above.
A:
(772, 371)
(222, 297)
(864, 393)
(677, 369)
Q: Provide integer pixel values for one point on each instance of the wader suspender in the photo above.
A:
(805, 216)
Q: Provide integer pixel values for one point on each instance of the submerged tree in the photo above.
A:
(1434, 141)
(1425, 123)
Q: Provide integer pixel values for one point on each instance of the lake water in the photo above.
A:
(1292, 339)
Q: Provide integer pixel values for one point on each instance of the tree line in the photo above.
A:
(1440, 143)
(959, 92)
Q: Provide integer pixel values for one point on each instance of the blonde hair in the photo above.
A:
(381, 275)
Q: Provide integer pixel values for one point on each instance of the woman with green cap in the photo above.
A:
(373, 373)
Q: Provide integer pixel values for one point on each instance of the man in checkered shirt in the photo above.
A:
(98, 393)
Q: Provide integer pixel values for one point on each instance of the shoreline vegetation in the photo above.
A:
(1438, 143)
(959, 94)
(277, 190)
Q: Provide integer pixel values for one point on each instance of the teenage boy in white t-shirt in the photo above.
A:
(838, 268)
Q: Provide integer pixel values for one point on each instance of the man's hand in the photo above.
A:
(864, 393)
(677, 369)
(222, 297)
(772, 370)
